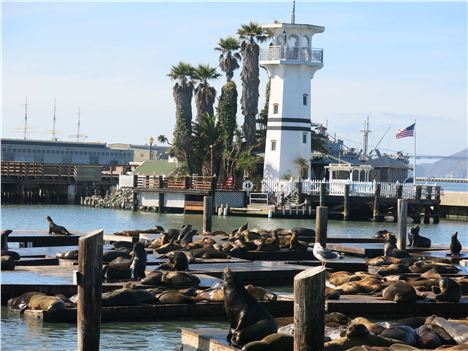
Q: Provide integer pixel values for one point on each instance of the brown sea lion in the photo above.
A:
(368, 285)
(153, 278)
(127, 297)
(179, 279)
(373, 328)
(397, 268)
(272, 244)
(212, 294)
(110, 255)
(55, 228)
(426, 265)
(457, 331)
(455, 245)
(7, 263)
(356, 335)
(171, 246)
(139, 259)
(390, 247)
(414, 239)
(427, 337)
(68, 255)
(173, 297)
(122, 245)
(272, 342)
(261, 294)
(296, 245)
(400, 291)
(403, 333)
(448, 290)
(336, 318)
(44, 303)
(22, 301)
(249, 321)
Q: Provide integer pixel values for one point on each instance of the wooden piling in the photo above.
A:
(135, 195)
(346, 203)
(323, 190)
(376, 208)
(402, 223)
(321, 221)
(309, 309)
(417, 206)
(207, 212)
(161, 202)
(89, 281)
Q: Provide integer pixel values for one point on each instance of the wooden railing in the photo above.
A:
(175, 182)
(29, 169)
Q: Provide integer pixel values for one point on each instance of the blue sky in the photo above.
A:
(392, 61)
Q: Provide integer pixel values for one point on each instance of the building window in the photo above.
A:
(275, 108)
(304, 99)
(273, 145)
(304, 138)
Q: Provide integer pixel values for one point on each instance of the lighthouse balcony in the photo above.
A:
(300, 55)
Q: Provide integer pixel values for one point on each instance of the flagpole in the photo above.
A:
(414, 165)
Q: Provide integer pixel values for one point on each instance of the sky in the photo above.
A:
(394, 62)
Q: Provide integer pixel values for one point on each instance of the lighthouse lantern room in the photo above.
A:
(291, 63)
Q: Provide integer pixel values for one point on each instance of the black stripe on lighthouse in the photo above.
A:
(291, 120)
(302, 129)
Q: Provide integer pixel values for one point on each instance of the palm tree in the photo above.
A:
(206, 134)
(205, 94)
(182, 92)
(303, 166)
(250, 34)
(229, 57)
(247, 162)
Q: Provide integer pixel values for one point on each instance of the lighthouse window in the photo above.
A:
(275, 108)
(304, 138)
(304, 99)
(273, 145)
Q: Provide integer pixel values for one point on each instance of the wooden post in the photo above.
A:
(427, 214)
(89, 281)
(346, 203)
(321, 219)
(161, 202)
(376, 210)
(402, 223)
(417, 206)
(135, 195)
(207, 212)
(309, 309)
(300, 197)
(322, 194)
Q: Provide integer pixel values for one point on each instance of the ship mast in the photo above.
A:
(79, 123)
(53, 125)
(25, 131)
(366, 132)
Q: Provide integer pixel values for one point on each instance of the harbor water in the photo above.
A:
(19, 334)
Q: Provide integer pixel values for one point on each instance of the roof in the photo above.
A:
(386, 161)
(6, 141)
(156, 167)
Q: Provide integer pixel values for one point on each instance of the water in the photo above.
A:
(18, 334)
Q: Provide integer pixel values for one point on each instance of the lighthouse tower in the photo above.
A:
(291, 63)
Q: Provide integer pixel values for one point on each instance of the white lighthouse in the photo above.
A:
(291, 63)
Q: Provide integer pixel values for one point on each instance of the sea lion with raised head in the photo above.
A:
(7, 263)
(448, 290)
(295, 244)
(390, 247)
(414, 239)
(455, 245)
(249, 321)
(138, 266)
(4, 248)
(55, 228)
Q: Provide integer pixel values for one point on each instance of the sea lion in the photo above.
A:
(261, 294)
(368, 285)
(172, 234)
(179, 279)
(400, 291)
(414, 239)
(249, 321)
(122, 245)
(448, 290)
(7, 263)
(272, 342)
(457, 331)
(455, 245)
(181, 262)
(4, 239)
(296, 245)
(356, 335)
(166, 248)
(18, 303)
(306, 234)
(272, 244)
(68, 255)
(390, 247)
(44, 303)
(380, 234)
(110, 255)
(427, 337)
(402, 333)
(153, 278)
(336, 318)
(56, 229)
(118, 268)
(391, 269)
(215, 294)
(373, 328)
(127, 297)
(426, 265)
(138, 266)
(188, 238)
(173, 297)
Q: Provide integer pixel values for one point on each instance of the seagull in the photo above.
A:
(323, 254)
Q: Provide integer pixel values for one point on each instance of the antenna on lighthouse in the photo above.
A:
(293, 16)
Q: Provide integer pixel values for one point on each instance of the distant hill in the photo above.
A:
(446, 167)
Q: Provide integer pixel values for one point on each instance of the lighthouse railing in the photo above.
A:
(278, 52)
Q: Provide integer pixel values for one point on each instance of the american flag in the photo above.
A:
(406, 132)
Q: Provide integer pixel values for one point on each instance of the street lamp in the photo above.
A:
(212, 156)
(151, 141)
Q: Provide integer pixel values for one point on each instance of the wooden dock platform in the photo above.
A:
(206, 339)
(42, 238)
(370, 250)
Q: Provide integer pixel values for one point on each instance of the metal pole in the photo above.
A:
(414, 166)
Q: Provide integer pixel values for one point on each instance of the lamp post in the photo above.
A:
(151, 141)
(212, 157)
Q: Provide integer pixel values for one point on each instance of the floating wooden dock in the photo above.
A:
(373, 250)
(206, 339)
(41, 238)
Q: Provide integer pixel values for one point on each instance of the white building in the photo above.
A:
(291, 63)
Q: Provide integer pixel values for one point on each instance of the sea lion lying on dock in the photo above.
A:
(68, 255)
(457, 331)
(55, 228)
(427, 265)
(272, 342)
(153, 278)
(127, 297)
(177, 262)
(356, 335)
(179, 279)
(43, 302)
(249, 321)
(173, 297)
(135, 233)
(414, 239)
(216, 293)
(400, 291)
(121, 268)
